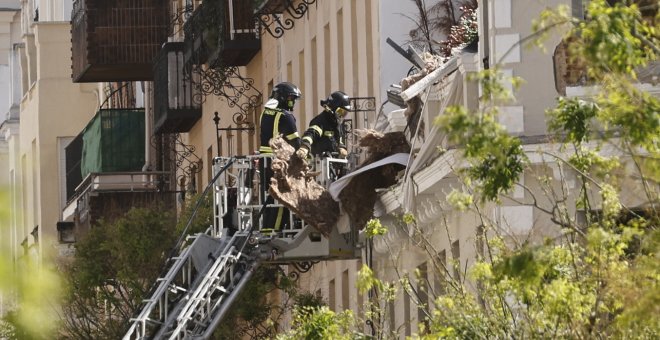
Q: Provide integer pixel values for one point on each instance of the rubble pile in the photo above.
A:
(359, 196)
(295, 187)
(414, 105)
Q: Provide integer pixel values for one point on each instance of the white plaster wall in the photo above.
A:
(5, 90)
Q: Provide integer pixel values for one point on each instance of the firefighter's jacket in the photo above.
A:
(274, 122)
(324, 134)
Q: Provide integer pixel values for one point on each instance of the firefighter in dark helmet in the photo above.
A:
(277, 119)
(324, 134)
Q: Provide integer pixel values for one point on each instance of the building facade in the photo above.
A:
(199, 99)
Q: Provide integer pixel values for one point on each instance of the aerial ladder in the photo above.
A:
(202, 281)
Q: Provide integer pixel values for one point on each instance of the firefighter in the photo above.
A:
(277, 119)
(325, 135)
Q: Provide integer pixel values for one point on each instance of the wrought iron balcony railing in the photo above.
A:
(221, 33)
(277, 16)
(117, 40)
(177, 102)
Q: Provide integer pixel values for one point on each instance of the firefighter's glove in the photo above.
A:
(302, 152)
(343, 153)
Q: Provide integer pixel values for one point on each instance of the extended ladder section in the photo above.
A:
(209, 274)
(197, 290)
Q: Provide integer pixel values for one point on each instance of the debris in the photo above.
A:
(295, 187)
(414, 104)
(359, 196)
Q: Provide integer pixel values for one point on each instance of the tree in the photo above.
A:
(453, 19)
(118, 261)
(599, 277)
(115, 265)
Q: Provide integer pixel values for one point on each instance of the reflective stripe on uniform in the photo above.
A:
(278, 221)
(328, 133)
(265, 149)
(308, 139)
(276, 125)
(317, 129)
(292, 136)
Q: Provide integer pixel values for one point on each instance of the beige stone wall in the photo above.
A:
(52, 107)
(329, 49)
(334, 47)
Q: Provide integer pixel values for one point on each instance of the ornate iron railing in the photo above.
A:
(275, 17)
(116, 40)
(177, 103)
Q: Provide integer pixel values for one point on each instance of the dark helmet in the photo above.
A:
(286, 94)
(337, 99)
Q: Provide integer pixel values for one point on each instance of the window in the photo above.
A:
(439, 284)
(370, 51)
(327, 62)
(422, 293)
(355, 50)
(392, 315)
(331, 294)
(62, 143)
(340, 48)
(301, 86)
(315, 74)
(289, 71)
(456, 259)
(345, 291)
(406, 314)
(360, 298)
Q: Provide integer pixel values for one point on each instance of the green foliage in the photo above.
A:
(33, 287)
(463, 33)
(573, 116)
(573, 290)
(322, 323)
(459, 200)
(374, 228)
(256, 314)
(115, 264)
(612, 44)
(599, 279)
(408, 218)
(203, 216)
(251, 308)
(496, 158)
(367, 280)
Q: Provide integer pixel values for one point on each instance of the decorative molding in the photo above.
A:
(507, 43)
(428, 210)
(502, 13)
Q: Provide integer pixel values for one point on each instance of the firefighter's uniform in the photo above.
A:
(324, 134)
(275, 122)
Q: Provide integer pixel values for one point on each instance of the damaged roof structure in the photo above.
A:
(387, 159)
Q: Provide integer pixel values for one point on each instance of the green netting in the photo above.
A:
(113, 141)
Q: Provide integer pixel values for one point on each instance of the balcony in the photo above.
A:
(116, 40)
(273, 6)
(113, 141)
(104, 170)
(222, 33)
(176, 101)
